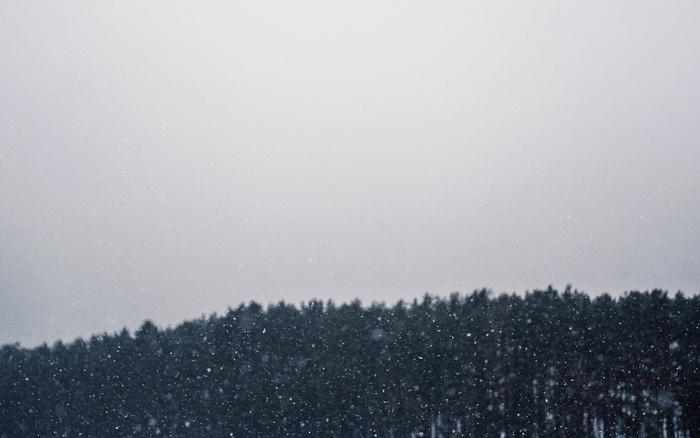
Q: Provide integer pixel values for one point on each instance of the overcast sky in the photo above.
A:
(167, 159)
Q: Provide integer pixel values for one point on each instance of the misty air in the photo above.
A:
(349, 219)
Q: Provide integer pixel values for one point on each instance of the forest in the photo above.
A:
(539, 364)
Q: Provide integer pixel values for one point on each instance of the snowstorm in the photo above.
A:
(169, 167)
(166, 159)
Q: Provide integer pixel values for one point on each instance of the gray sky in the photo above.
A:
(165, 159)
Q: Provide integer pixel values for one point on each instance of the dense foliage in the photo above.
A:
(540, 365)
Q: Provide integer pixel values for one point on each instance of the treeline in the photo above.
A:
(545, 364)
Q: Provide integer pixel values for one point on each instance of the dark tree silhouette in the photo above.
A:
(541, 364)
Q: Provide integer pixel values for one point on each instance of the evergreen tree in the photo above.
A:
(542, 364)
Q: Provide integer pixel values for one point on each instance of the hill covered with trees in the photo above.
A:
(543, 364)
